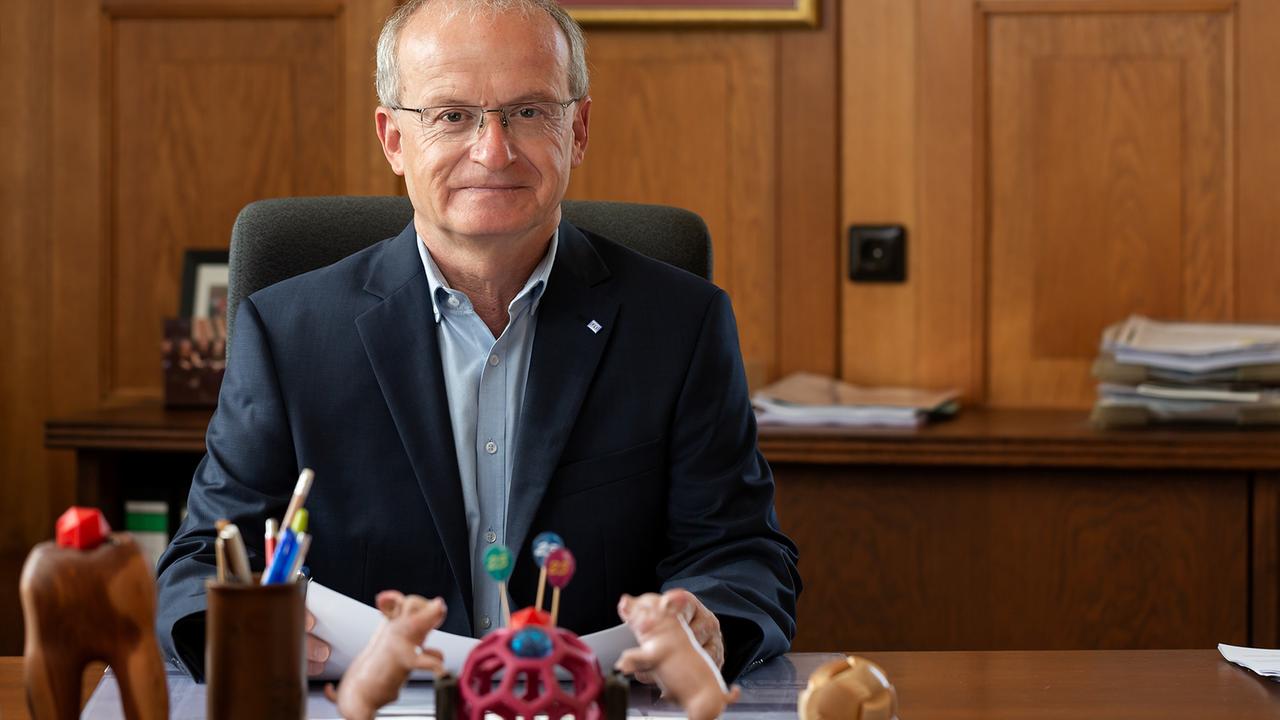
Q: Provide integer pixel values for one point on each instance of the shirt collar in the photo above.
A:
(533, 288)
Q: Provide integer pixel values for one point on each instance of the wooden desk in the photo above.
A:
(1001, 529)
(13, 695)
(1170, 685)
(1120, 684)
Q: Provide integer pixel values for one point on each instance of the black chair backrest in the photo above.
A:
(273, 240)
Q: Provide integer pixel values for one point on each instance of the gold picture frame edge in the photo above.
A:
(804, 14)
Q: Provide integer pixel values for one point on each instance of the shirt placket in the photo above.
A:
(491, 464)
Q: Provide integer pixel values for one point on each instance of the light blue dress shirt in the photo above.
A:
(484, 379)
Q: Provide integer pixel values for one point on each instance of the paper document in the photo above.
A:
(1264, 662)
(808, 399)
(1191, 347)
(348, 624)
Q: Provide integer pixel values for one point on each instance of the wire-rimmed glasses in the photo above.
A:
(521, 119)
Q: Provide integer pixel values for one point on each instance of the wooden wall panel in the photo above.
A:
(1257, 257)
(879, 338)
(26, 49)
(994, 559)
(240, 110)
(1058, 164)
(737, 126)
(1110, 188)
(677, 119)
(130, 130)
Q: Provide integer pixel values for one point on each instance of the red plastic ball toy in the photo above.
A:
(497, 680)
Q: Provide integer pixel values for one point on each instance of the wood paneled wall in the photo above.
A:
(738, 126)
(130, 132)
(133, 130)
(1059, 165)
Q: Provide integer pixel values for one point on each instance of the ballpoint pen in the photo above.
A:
(236, 556)
(269, 537)
(281, 568)
(299, 498)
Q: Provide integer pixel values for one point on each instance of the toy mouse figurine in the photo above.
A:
(851, 688)
(683, 670)
(90, 596)
(382, 667)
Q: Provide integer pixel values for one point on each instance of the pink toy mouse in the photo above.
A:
(382, 667)
(668, 649)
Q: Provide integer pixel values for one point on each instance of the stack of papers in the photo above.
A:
(347, 625)
(1264, 662)
(1153, 371)
(807, 399)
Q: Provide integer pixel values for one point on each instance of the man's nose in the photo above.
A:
(492, 147)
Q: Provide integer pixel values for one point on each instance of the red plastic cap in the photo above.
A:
(529, 616)
(82, 528)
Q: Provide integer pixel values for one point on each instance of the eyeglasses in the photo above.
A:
(522, 119)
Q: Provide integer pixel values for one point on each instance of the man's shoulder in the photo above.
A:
(637, 273)
(332, 284)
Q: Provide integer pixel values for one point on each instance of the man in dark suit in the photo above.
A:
(492, 373)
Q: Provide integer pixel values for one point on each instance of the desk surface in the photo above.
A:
(1047, 685)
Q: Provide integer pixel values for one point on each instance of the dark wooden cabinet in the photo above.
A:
(1000, 529)
(1031, 530)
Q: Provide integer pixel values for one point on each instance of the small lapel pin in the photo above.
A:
(594, 326)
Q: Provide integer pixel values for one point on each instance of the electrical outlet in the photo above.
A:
(877, 253)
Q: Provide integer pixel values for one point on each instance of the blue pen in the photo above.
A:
(286, 549)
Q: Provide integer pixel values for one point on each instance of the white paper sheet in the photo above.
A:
(348, 624)
(1262, 661)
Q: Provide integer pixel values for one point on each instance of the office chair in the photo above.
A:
(276, 239)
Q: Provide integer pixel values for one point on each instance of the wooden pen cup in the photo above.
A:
(255, 661)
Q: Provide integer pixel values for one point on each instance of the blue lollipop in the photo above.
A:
(543, 544)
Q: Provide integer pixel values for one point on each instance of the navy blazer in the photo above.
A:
(637, 446)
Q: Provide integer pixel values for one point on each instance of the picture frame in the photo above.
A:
(797, 13)
(205, 275)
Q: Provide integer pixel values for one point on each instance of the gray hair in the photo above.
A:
(388, 75)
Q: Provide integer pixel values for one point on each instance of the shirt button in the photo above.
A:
(491, 447)
(485, 622)
(491, 536)
(494, 360)
(453, 301)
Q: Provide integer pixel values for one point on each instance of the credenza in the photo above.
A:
(996, 530)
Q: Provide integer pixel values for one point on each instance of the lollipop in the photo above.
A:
(497, 562)
(559, 568)
(543, 544)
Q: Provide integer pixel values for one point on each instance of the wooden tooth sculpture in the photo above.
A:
(90, 597)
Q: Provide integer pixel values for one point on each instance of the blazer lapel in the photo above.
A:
(400, 339)
(575, 318)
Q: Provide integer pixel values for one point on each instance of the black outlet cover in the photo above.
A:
(877, 253)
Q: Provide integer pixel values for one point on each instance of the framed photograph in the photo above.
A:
(802, 13)
(204, 284)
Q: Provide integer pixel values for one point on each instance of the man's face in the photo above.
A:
(497, 182)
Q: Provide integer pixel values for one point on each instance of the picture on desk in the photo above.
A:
(205, 275)
(193, 359)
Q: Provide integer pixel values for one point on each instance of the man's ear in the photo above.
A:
(390, 138)
(581, 120)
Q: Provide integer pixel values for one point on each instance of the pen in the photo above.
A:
(269, 538)
(220, 554)
(299, 498)
(280, 564)
(236, 555)
(304, 544)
